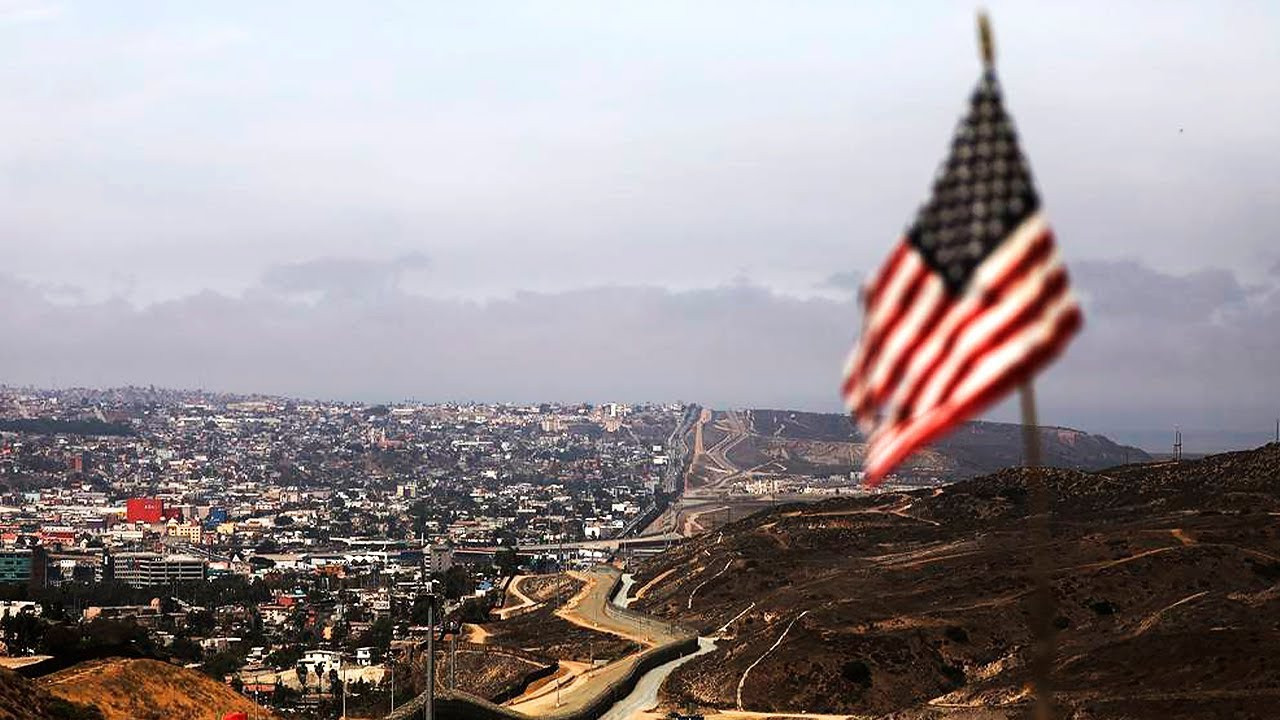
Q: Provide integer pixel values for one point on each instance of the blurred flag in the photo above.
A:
(972, 302)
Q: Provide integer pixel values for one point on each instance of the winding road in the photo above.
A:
(591, 608)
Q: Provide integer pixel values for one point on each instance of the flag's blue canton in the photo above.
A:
(981, 193)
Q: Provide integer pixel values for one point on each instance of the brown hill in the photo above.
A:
(802, 443)
(1166, 579)
(23, 699)
(124, 689)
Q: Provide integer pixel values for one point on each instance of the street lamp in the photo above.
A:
(428, 708)
(342, 674)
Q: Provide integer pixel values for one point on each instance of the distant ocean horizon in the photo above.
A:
(1197, 441)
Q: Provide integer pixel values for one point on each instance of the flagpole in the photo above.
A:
(1042, 609)
(1038, 527)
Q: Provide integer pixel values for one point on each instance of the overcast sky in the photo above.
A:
(646, 200)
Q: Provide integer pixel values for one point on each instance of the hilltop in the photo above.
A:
(125, 689)
(729, 445)
(1166, 578)
(23, 699)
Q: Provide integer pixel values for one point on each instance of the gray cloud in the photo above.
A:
(723, 345)
(1126, 288)
(1136, 367)
(849, 281)
(343, 278)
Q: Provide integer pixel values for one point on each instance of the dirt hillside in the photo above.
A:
(125, 689)
(1166, 580)
(23, 699)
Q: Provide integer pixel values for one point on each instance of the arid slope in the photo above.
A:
(786, 442)
(124, 689)
(1166, 579)
(23, 699)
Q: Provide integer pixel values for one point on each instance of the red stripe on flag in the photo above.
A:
(1037, 252)
(875, 336)
(903, 440)
(896, 257)
(899, 364)
(1055, 286)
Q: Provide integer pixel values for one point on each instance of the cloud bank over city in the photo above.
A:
(657, 201)
(1202, 357)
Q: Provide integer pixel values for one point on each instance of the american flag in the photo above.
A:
(972, 302)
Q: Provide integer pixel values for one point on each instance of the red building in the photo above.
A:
(146, 510)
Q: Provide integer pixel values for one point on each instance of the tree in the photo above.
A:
(200, 622)
(23, 632)
(335, 682)
(60, 640)
(380, 632)
(457, 582)
(506, 561)
(282, 695)
(418, 615)
(121, 637)
(221, 664)
(285, 656)
(184, 648)
(339, 632)
(475, 610)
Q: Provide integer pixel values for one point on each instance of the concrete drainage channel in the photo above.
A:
(645, 694)
(634, 691)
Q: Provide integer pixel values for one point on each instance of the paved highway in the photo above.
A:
(610, 544)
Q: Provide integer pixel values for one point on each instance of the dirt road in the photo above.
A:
(591, 608)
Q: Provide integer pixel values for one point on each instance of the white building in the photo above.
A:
(323, 660)
(141, 569)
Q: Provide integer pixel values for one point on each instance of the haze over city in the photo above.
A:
(650, 202)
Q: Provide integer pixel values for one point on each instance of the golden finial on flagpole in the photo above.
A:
(986, 45)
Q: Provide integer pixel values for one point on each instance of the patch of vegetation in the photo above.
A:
(1102, 607)
(856, 672)
(51, 426)
(954, 675)
(1268, 571)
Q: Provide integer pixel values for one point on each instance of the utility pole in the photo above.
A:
(453, 661)
(391, 649)
(428, 709)
(560, 603)
(342, 673)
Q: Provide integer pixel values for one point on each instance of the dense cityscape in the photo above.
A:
(269, 540)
